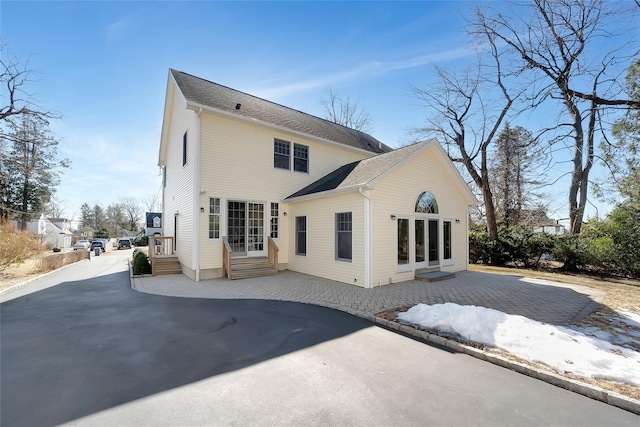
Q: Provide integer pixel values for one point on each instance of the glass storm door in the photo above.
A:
(255, 229)
(237, 227)
(433, 243)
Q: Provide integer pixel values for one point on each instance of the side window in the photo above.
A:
(184, 149)
(274, 220)
(301, 235)
(214, 218)
(344, 236)
(300, 158)
(403, 241)
(281, 154)
(446, 227)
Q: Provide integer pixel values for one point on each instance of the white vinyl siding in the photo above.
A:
(178, 196)
(229, 149)
(396, 194)
(321, 246)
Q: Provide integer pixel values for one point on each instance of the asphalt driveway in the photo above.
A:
(80, 347)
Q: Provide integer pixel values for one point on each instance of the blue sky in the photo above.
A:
(104, 66)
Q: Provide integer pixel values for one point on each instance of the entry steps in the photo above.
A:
(435, 276)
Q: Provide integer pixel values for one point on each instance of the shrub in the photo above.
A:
(58, 260)
(15, 246)
(141, 263)
(57, 250)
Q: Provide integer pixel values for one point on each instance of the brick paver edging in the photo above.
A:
(597, 393)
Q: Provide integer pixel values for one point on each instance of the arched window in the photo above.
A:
(426, 203)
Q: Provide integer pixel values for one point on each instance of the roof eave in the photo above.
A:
(326, 193)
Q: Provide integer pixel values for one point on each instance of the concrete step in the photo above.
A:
(435, 276)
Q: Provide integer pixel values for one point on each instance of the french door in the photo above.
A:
(245, 228)
(426, 243)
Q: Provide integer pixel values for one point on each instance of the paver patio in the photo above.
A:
(545, 301)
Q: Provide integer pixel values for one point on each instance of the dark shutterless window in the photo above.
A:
(301, 235)
(344, 233)
(300, 158)
(446, 226)
(281, 154)
(184, 149)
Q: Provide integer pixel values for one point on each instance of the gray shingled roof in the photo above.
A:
(360, 173)
(220, 97)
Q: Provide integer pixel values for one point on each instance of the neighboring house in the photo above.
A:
(153, 225)
(551, 228)
(49, 233)
(246, 179)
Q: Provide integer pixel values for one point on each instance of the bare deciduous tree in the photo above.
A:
(14, 77)
(345, 111)
(131, 210)
(467, 120)
(151, 202)
(550, 45)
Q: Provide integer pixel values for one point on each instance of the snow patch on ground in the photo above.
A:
(583, 351)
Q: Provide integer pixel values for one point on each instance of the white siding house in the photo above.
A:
(251, 176)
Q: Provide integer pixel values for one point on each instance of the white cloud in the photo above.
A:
(365, 70)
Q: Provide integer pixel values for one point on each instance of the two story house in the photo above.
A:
(248, 181)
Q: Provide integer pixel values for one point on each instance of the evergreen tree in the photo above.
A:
(622, 155)
(512, 173)
(30, 167)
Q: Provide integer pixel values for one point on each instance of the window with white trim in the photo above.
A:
(301, 235)
(344, 226)
(184, 149)
(300, 158)
(275, 211)
(214, 218)
(403, 241)
(281, 154)
(283, 151)
(446, 231)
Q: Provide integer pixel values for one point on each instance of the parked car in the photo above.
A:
(98, 244)
(124, 244)
(82, 245)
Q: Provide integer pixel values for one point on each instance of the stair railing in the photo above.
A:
(226, 256)
(272, 249)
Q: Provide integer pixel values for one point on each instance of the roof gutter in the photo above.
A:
(326, 193)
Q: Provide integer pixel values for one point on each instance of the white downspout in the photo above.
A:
(467, 234)
(196, 198)
(367, 239)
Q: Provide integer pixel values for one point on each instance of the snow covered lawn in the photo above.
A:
(584, 351)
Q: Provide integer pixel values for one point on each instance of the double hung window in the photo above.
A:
(282, 156)
(344, 240)
(301, 235)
